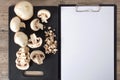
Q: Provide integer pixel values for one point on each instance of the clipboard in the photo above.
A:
(88, 42)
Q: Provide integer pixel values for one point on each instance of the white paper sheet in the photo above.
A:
(87, 44)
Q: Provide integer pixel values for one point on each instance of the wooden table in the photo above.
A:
(4, 4)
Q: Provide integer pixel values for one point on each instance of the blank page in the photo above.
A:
(87, 44)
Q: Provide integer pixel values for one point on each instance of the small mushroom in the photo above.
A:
(37, 56)
(21, 39)
(23, 67)
(16, 24)
(34, 41)
(44, 15)
(36, 25)
(24, 10)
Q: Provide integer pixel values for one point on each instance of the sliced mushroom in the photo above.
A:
(36, 25)
(23, 58)
(21, 39)
(23, 52)
(24, 49)
(37, 56)
(23, 67)
(34, 41)
(16, 24)
(44, 15)
(24, 10)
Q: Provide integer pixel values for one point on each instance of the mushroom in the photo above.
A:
(21, 39)
(16, 24)
(37, 56)
(50, 45)
(36, 25)
(23, 58)
(34, 41)
(24, 51)
(44, 15)
(23, 67)
(24, 10)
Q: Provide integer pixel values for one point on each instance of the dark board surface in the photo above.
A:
(51, 65)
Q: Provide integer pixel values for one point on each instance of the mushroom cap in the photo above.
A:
(44, 15)
(44, 11)
(34, 41)
(37, 56)
(36, 25)
(24, 10)
(23, 67)
(21, 39)
(14, 24)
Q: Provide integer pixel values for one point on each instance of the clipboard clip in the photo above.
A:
(84, 7)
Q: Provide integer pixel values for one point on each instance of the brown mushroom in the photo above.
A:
(34, 41)
(37, 56)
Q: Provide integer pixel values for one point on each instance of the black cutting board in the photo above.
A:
(51, 65)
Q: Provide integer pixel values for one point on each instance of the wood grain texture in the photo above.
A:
(4, 5)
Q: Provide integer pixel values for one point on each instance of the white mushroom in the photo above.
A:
(24, 10)
(21, 39)
(23, 67)
(50, 45)
(16, 24)
(23, 58)
(44, 15)
(24, 52)
(37, 56)
(36, 25)
(34, 41)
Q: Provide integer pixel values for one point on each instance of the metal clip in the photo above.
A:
(87, 7)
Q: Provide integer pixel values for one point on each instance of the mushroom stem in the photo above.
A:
(38, 59)
(44, 19)
(22, 25)
(33, 38)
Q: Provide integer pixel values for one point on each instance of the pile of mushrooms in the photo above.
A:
(24, 11)
(50, 42)
(23, 58)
